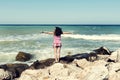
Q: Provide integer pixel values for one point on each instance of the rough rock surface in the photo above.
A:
(115, 56)
(72, 67)
(14, 69)
(103, 51)
(5, 75)
(22, 56)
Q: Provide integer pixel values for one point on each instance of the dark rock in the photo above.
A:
(117, 70)
(81, 56)
(48, 62)
(70, 58)
(103, 51)
(66, 59)
(110, 60)
(42, 64)
(92, 57)
(15, 69)
(3, 67)
(22, 56)
(105, 79)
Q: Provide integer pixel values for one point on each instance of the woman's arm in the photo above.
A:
(67, 33)
(48, 32)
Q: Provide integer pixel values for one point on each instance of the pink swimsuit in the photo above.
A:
(57, 41)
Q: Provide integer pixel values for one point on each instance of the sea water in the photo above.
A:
(30, 39)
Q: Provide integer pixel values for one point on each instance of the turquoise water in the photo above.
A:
(30, 39)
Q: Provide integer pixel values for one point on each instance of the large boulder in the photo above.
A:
(14, 69)
(81, 63)
(114, 71)
(31, 74)
(93, 73)
(103, 51)
(92, 56)
(42, 64)
(67, 59)
(103, 57)
(58, 69)
(61, 71)
(5, 75)
(92, 70)
(115, 56)
(22, 56)
(70, 58)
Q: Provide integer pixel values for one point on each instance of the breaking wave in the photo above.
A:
(112, 37)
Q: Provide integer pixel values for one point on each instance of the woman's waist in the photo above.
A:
(57, 41)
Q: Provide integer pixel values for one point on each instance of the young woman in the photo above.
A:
(57, 43)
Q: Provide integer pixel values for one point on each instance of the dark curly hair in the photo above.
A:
(58, 31)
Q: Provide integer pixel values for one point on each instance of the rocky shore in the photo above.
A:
(99, 64)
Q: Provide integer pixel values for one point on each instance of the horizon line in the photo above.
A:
(59, 24)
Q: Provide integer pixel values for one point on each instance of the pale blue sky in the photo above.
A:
(60, 11)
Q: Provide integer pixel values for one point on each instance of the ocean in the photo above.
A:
(29, 39)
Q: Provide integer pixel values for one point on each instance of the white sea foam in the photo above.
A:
(113, 37)
(22, 37)
(7, 57)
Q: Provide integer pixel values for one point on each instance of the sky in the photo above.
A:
(59, 11)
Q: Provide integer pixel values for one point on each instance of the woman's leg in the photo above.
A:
(55, 54)
(58, 53)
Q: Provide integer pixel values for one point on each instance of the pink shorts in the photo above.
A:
(57, 45)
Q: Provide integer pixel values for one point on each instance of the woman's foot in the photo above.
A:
(56, 61)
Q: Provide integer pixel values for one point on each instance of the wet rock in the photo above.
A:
(14, 69)
(92, 56)
(103, 51)
(42, 64)
(22, 56)
(67, 59)
(70, 58)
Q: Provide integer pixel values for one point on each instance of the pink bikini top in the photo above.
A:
(57, 39)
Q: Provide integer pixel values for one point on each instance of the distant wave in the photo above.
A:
(94, 37)
(22, 37)
(112, 37)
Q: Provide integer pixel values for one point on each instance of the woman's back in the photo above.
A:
(57, 39)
